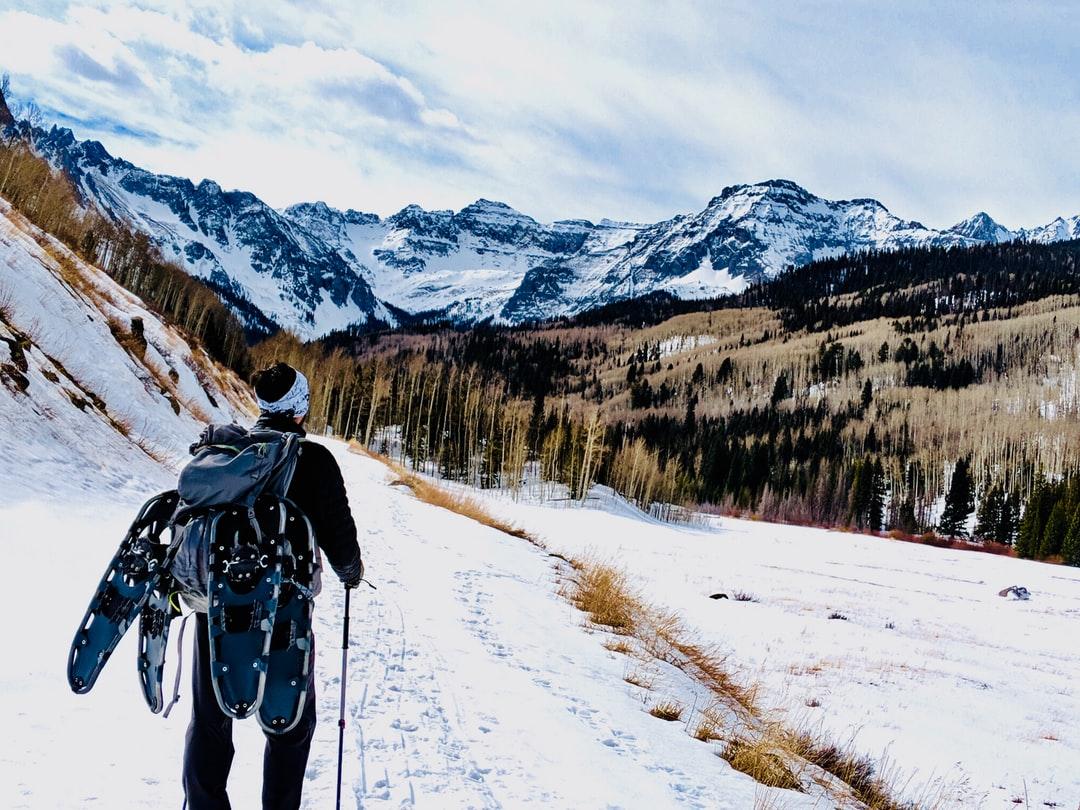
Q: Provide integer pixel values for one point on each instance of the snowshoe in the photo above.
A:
(290, 644)
(128, 582)
(154, 623)
(245, 571)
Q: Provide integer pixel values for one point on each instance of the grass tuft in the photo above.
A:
(857, 771)
(707, 730)
(756, 759)
(619, 646)
(667, 710)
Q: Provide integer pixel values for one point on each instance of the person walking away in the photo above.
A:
(318, 489)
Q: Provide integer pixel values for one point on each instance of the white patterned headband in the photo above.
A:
(294, 402)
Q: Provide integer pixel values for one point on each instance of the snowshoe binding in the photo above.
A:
(245, 572)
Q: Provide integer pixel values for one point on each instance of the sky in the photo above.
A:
(573, 109)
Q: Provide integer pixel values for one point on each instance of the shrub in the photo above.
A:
(667, 710)
(757, 760)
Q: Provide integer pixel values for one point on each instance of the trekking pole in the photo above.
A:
(341, 719)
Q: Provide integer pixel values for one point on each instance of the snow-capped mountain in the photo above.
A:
(312, 268)
(489, 260)
(261, 263)
(1059, 230)
(982, 228)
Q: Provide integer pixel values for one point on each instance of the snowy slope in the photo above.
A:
(971, 697)
(70, 390)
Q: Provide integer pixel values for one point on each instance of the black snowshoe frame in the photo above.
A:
(262, 569)
(128, 582)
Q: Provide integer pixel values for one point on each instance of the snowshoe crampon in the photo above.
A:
(291, 643)
(245, 571)
(128, 583)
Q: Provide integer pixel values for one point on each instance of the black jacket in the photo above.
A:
(319, 490)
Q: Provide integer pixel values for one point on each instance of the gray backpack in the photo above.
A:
(232, 467)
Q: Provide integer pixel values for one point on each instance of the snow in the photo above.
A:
(971, 697)
(677, 344)
(72, 357)
(471, 682)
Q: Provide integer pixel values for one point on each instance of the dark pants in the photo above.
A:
(208, 752)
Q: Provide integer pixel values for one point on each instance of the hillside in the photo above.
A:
(83, 357)
(849, 392)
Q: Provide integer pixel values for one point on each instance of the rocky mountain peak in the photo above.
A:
(6, 118)
(981, 227)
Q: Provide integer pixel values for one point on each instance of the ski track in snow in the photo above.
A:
(471, 683)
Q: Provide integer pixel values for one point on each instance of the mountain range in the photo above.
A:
(313, 269)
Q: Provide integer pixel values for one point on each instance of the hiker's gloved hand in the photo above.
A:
(353, 581)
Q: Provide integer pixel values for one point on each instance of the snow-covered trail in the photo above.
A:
(471, 682)
(474, 685)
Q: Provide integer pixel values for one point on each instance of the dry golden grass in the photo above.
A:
(707, 729)
(869, 781)
(619, 646)
(639, 679)
(126, 337)
(604, 593)
(669, 710)
(757, 759)
(709, 666)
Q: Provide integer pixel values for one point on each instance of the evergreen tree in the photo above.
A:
(1054, 534)
(1070, 549)
(1036, 513)
(958, 503)
(988, 518)
(862, 492)
(906, 520)
(867, 395)
(876, 516)
(780, 391)
(1010, 519)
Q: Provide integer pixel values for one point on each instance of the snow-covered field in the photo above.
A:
(972, 698)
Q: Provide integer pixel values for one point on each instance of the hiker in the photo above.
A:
(318, 490)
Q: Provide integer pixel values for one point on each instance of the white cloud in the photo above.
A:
(629, 109)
